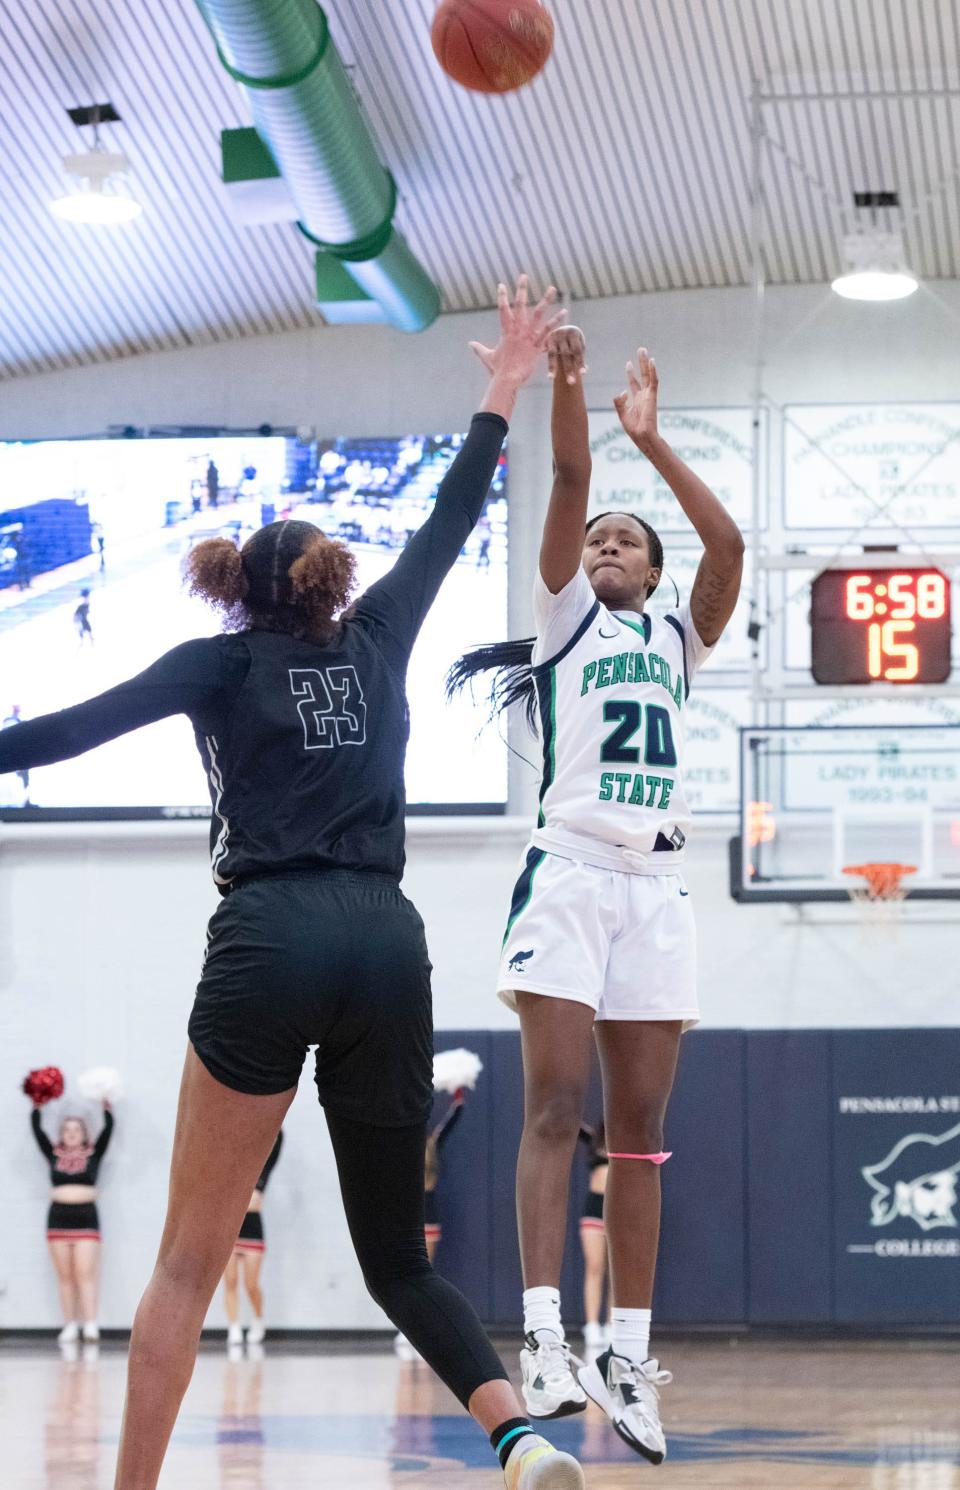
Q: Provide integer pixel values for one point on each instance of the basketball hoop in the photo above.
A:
(880, 899)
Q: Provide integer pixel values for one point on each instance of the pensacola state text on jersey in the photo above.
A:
(612, 689)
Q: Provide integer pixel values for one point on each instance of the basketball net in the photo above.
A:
(879, 900)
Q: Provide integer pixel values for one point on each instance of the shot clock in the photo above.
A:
(889, 625)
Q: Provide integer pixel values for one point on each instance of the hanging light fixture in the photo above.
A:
(100, 195)
(875, 268)
(875, 261)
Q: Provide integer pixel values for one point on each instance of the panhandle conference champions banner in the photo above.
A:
(716, 443)
(881, 466)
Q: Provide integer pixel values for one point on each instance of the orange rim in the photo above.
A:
(883, 880)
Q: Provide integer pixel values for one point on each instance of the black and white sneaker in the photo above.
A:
(550, 1389)
(628, 1393)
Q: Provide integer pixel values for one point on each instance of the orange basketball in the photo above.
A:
(492, 46)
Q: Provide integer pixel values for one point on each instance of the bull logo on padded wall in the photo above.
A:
(918, 1180)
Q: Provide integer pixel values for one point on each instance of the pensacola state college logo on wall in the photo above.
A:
(917, 1181)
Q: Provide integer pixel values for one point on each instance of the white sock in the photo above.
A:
(541, 1311)
(630, 1333)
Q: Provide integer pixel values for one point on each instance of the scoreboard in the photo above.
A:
(881, 624)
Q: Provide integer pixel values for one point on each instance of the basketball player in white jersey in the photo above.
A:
(600, 941)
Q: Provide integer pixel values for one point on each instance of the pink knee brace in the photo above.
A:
(660, 1158)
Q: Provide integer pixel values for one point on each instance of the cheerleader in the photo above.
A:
(73, 1226)
(432, 1229)
(431, 1173)
(247, 1258)
(593, 1241)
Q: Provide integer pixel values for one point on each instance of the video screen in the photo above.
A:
(93, 534)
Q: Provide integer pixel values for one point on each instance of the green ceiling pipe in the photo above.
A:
(304, 108)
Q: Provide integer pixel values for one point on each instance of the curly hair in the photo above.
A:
(288, 577)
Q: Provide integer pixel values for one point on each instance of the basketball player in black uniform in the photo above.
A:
(301, 720)
(81, 618)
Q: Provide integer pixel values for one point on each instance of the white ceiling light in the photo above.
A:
(100, 195)
(875, 268)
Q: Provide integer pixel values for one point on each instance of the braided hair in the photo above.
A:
(511, 662)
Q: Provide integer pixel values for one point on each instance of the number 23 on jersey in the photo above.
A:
(330, 705)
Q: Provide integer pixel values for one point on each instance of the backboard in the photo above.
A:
(816, 799)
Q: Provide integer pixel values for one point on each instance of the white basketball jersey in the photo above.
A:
(612, 689)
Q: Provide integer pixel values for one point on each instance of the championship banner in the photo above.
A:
(733, 652)
(871, 465)
(711, 774)
(717, 443)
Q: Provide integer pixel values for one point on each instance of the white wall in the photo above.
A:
(100, 933)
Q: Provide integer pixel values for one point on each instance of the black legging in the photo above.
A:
(381, 1181)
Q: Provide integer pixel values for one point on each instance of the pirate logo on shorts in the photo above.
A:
(917, 1179)
(518, 964)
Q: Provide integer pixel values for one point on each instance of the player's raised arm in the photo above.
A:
(401, 599)
(183, 681)
(717, 585)
(524, 333)
(561, 548)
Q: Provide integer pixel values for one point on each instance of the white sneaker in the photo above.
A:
(627, 1392)
(256, 1334)
(70, 1334)
(550, 1389)
(537, 1465)
(91, 1332)
(235, 1334)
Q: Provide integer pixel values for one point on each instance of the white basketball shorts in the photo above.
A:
(626, 944)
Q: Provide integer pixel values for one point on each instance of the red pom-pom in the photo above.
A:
(44, 1085)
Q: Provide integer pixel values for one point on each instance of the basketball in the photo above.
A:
(492, 46)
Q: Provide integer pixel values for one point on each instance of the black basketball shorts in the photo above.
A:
(336, 959)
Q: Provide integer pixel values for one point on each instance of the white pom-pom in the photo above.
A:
(453, 1069)
(100, 1084)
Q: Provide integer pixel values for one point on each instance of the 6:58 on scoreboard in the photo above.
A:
(872, 625)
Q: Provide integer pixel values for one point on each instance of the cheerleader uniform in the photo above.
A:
(431, 1216)
(72, 1221)
(251, 1238)
(591, 1218)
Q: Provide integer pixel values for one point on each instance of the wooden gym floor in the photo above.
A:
(789, 1415)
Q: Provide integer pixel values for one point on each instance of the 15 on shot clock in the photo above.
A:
(881, 625)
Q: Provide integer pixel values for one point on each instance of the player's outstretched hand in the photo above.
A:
(567, 354)
(637, 404)
(523, 334)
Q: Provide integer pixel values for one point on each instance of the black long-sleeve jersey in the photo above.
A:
(72, 1166)
(303, 744)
